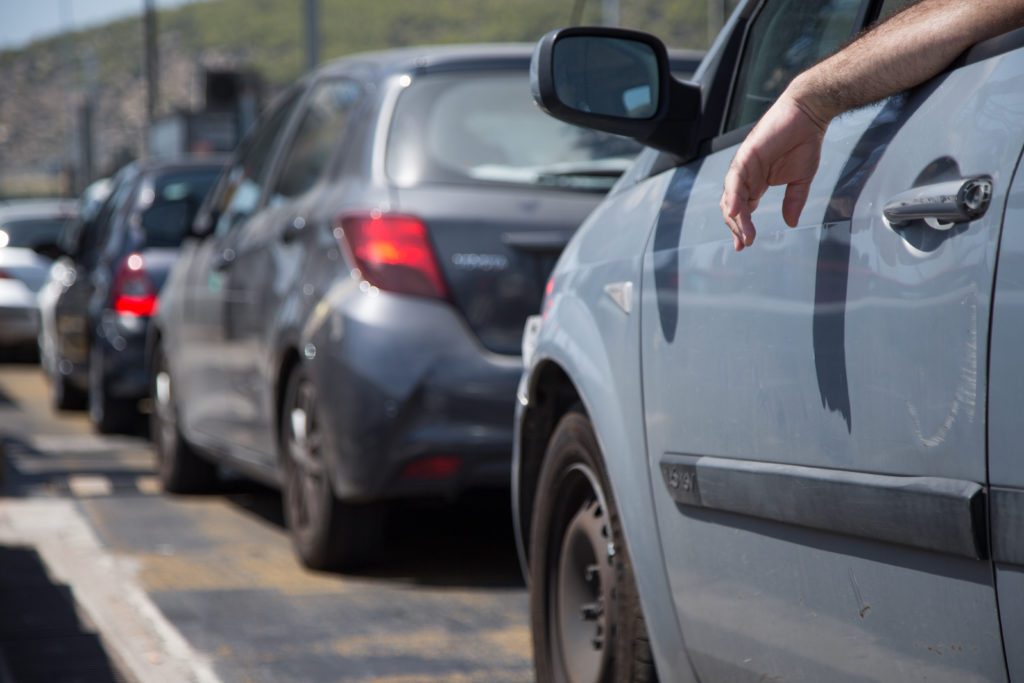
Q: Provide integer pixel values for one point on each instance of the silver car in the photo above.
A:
(28, 242)
(799, 462)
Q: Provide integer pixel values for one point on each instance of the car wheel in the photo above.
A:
(108, 415)
(63, 394)
(326, 532)
(585, 613)
(180, 468)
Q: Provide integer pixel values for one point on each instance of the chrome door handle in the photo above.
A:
(942, 204)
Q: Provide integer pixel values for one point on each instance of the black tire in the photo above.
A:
(63, 394)
(180, 468)
(584, 610)
(108, 415)
(326, 532)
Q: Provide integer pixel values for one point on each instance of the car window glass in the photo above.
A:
(240, 194)
(85, 237)
(31, 232)
(891, 7)
(482, 127)
(787, 36)
(176, 198)
(98, 238)
(322, 126)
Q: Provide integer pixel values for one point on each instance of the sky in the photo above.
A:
(22, 21)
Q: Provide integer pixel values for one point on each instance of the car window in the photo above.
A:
(482, 127)
(240, 194)
(891, 7)
(31, 232)
(786, 37)
(83, 241)
(322, 126)
(101, 237)
(176, 198)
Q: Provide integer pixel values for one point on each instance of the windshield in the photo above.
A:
(483, 127)
(176, 198)
(31, 232)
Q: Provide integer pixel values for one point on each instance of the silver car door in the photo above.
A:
(815, 404)
(1006, 389)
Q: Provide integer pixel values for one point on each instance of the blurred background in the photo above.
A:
(92, 84)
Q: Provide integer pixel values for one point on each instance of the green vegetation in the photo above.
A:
(269, 33)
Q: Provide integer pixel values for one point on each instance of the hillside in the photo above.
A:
(48, 78)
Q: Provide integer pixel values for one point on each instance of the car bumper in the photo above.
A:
(18, 324)
(122, 348)
(415, 405)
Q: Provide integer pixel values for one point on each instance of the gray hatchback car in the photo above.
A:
(799, 462)
(346, 320)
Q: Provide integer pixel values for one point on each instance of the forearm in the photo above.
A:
(897, 54)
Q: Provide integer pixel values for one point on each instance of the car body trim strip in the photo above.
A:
(1007, 517)
(931, 513)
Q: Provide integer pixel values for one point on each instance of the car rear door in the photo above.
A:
(815, 404)
(205, 395)
(274, 250)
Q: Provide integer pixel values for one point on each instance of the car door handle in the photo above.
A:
(224, 259)
(942, 204)
(293, 229)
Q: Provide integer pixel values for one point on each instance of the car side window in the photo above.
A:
(786, 37)
(240, 194)
(320, 129)
(891, 7)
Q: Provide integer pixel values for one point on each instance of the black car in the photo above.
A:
(120, 260)
(346, 323)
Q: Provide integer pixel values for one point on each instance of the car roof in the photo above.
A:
(38, 208)
(384, 62)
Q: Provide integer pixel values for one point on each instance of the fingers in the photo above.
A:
(794, 201)
(736, 205)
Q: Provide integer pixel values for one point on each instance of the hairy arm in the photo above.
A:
(907, 49)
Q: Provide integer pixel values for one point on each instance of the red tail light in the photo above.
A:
(133, 292)
(393, 252)
(433, 468)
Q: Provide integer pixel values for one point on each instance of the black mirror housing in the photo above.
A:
(673, 126)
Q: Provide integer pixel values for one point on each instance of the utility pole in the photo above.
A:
(152, 66)
(312, 36)
(610, 12)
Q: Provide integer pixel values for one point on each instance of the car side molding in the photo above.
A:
(930, 513)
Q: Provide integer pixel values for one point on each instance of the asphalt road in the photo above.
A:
(213, 578)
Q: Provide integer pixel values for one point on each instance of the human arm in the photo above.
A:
(909, 48)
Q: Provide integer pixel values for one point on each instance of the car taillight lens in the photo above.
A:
(393, 252)
(133, 292)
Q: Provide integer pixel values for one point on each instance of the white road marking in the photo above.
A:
(89, 485)
(105, 587)
(148, 485)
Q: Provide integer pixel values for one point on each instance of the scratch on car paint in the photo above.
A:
(965, 398)
(862, 607)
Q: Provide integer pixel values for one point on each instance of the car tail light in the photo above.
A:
(393, 252)
(433, 468)
(133, 292)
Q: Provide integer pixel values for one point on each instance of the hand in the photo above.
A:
(783, 149)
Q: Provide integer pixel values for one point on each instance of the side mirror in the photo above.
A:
(204, 223)
(617, 81)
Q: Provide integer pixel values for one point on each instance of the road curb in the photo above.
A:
(146, 645)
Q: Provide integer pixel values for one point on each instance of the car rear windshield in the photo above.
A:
(483, 128)
(31, 232)
(176, 198)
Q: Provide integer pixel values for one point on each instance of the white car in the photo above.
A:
(28, 243)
